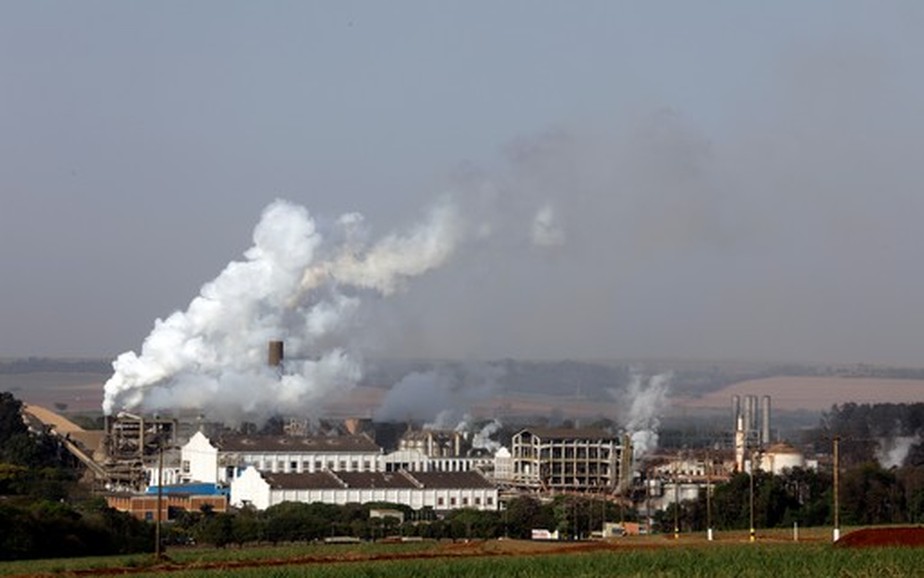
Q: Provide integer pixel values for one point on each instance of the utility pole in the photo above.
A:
(752, 536)
(708, 496)
(676, 502)
(837, 518)
(160, 497)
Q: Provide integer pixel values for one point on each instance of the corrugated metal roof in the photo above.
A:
(375, 480)
(306, 481)
(451, 480)
(292, 444)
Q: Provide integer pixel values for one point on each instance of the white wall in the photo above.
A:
(202, 458)
(250, 488)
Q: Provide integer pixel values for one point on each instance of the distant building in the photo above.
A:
(222, 460)
(436, 451)
(779, 458)
(558, 459)
(503, 466)
(437, 490)
(144, 506)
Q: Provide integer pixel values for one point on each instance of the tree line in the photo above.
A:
(574, 517)
(43, 510)
(869, 495)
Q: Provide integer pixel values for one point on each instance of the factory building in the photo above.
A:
(557, 459)
(220, 461)
(440, 491)
(437, 451)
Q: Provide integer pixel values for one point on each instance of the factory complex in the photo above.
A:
(148, 463)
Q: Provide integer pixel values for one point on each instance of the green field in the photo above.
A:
(692, 558)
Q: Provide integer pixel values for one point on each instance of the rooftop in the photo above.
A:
(292, 444)
(570, 433)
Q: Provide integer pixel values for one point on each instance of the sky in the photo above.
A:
(700, 180)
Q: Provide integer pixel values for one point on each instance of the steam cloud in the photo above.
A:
(295, 284)
(642, 419)
(442, 397)
(892, 452)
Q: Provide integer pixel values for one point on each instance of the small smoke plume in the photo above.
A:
(892, 452)
(646, 400)
(482, 438)
(295, 284)
(441, 397)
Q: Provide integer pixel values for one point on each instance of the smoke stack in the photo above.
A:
(765, 420)
(276, 353)
(750, 418)
(736, 411)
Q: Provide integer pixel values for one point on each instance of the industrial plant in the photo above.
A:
(149, 463)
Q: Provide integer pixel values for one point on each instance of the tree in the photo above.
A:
(525, 513)
(871, 495)
(246, 526)
(216, 529)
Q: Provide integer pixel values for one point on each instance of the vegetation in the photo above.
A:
(42, 512)
(864, 428)
(719, 560)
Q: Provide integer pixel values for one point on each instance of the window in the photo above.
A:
(477, 501)
(489, 501)
(354, 465)
(185, 466)
(366, 467)
(464, 501)
(293, 466)
(306, 466)
(318, 465)
(452, 501)
(440, 501)
(280, 466)
(330, 464)
(342, 465)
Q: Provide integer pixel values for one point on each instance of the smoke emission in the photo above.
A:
(296, 283)
(440, 397)
(647, 400)
(892, 452)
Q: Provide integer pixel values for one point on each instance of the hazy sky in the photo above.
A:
(695, 179)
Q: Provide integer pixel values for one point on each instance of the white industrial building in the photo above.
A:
(779, 458)
(220, 461)
(437, 490)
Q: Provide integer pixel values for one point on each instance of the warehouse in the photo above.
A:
(437, 490)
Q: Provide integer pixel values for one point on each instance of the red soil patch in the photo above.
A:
(871, 537)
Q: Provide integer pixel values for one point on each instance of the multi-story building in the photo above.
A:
(222, 460)
(437, 451)
(558, 459)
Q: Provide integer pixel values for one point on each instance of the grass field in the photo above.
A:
(656, 556)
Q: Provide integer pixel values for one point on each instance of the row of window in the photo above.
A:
(441, 501)
(318, 465)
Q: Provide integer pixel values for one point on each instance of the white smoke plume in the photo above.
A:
(441, 397)
(295, 285)
(646, 402)
(482, 438)
(891, 452)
